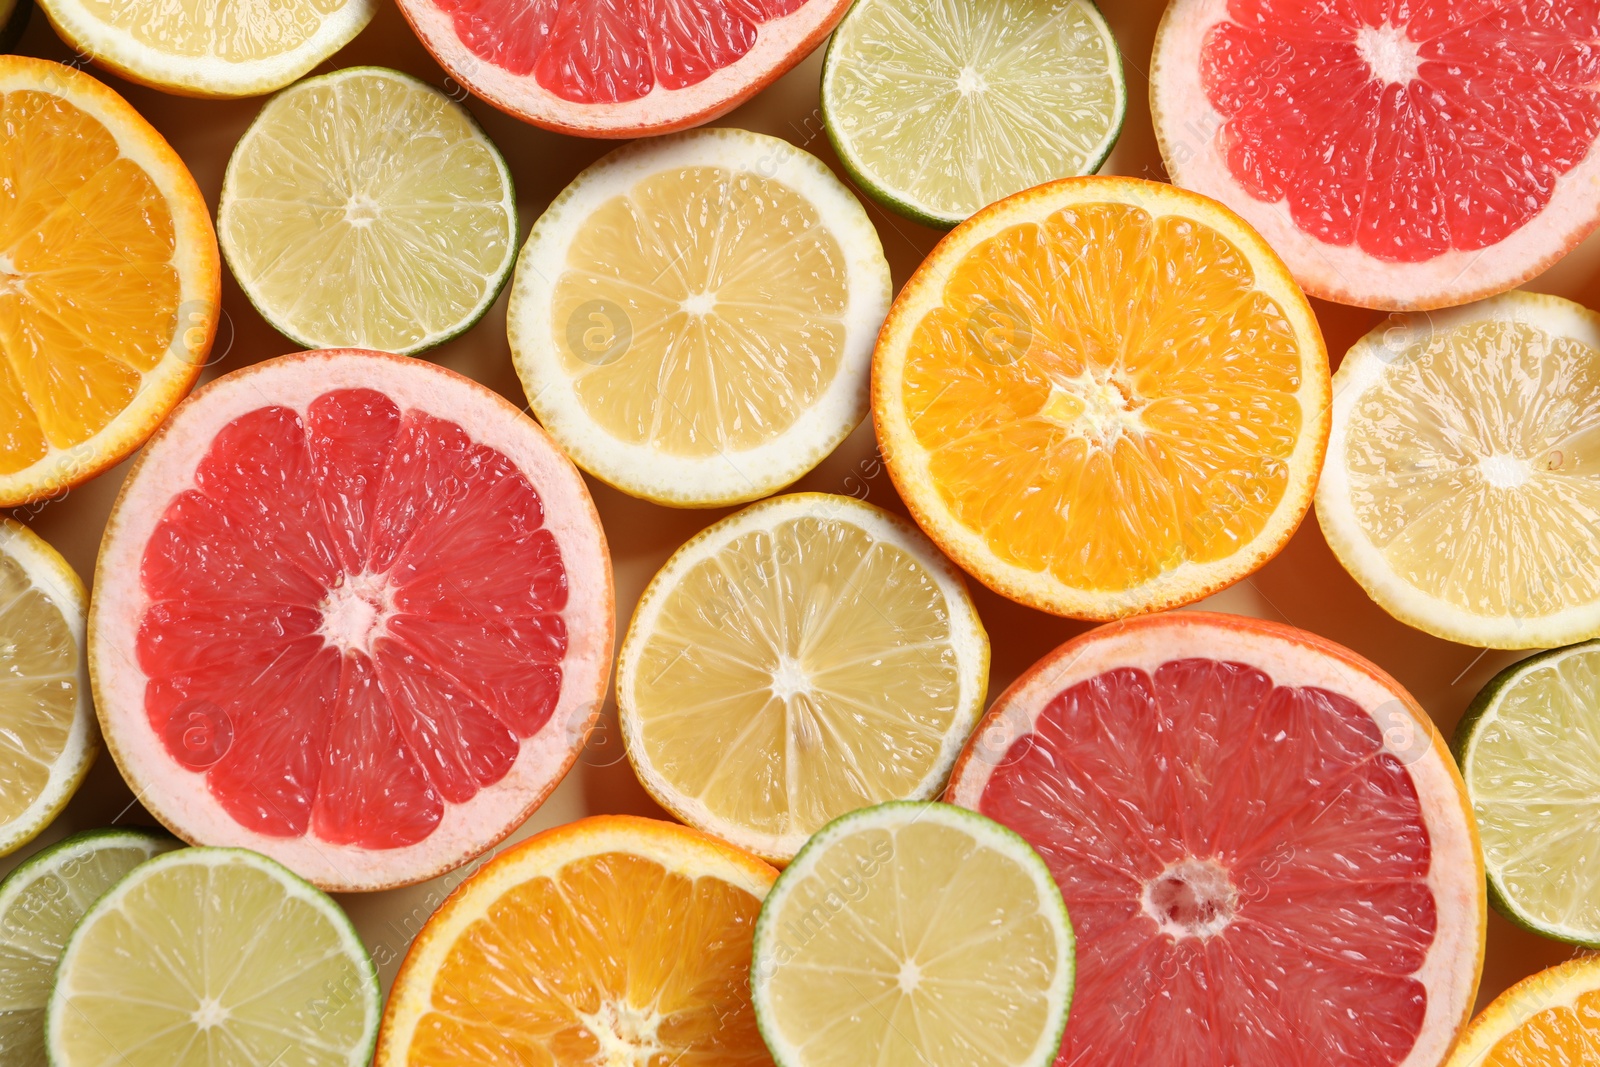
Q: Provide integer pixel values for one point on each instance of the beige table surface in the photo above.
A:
(1304, 586)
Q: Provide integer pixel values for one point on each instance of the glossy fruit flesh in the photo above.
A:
(1106, 395)
(1565, 1036)
(612, 959)
(1246, 867)
(1408, 130)
(39, 690)
(609, 51)
(353, 620)
(732, 293)
(85, 236)
(236, 32)
(1479, 440)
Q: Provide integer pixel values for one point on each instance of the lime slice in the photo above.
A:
(1529, 748)
(1460, 486)
(806, 657)
(47, 732)
(364, 209)
(938, 108)
(40, 902)
(213, 957)
(210, 47)
(913, 934)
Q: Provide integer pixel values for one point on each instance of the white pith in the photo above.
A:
(178, 796)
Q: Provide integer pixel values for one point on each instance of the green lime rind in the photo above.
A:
(876, 188)
(497, 281)
(47, 917)
(294, 887)
(13, 20)
(1479, 713)
(764, 961)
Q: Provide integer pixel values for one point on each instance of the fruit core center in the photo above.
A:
(910, 977)
(1100, 406)
(789, 679)
(360, 210)
(209, 1013)
(1191, 898)
(699, 303)
(1504, 471)
(356, 611)
(10, 277)
(626, 1034)
(1393, 57)
(969, 81)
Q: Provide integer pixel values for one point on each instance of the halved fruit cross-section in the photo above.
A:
(619, 68)
(354, 612)
(1267, 853)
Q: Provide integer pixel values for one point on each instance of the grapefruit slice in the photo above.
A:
(609, 941)
(614, 68)
(354, 612)
(1103, 397)
(1397, 156)
(1265, 847)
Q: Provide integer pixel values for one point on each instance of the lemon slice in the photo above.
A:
(206, 48)
(940, 108)
(364, 209)
(805, 657)
(1530, 758)
(40, 902)
(911, 934)
(47, 733)
(1461, 483)
(693, 317)
(213, 957)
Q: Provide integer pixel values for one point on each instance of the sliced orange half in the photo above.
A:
(110, 282)
(609, 941)
(1104, 396)
(1549, 1020)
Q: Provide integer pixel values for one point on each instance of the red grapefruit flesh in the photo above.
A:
(353, 611)
(619, 68)
(1398, 154)
(1266, 850)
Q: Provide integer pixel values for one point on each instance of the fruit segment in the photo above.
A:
(354, 618)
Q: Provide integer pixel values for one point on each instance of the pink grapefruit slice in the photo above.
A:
(1401, 156)
(1264, 845)
(352, 611)
(619, 68)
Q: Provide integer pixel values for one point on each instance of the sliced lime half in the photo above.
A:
(213, 957)
(938, 108)
(1529, 747)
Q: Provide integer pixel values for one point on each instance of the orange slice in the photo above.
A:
(110, 282)
(1103, 396)
(612, 940)
(1549, 1020)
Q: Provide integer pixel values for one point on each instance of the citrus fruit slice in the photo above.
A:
(213, 957)
(1459, 489)
(1397, 156)
(611, 940)
(619, 70)
(940, 109)
(109, 279)
(1549, 1020)
(364, 209)
(202, 48)
(1266, 849)
(913, 934)
(47, 734)
(40, 902)
(1529, 755)
(805, 657)
(1103, 396)
(13, 20)
(692, 318)
(354, 611)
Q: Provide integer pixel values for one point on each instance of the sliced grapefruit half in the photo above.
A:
(354, 612)
(1267, 853)
(611, 68)
(1397, 156)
